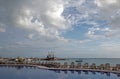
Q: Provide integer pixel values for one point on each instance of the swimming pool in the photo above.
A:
(34, 73)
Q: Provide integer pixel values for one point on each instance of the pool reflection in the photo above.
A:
(85, 72)
(19, 72)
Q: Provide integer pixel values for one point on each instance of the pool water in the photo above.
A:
(34, 73)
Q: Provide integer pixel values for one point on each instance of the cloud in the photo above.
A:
(98, 32)
(78, 13)
(30, 36)
(51, 18)
(44, 17)
(109, 11)
(110, 46)
(102, 3)
(18, 45)
(84, 41)
(2, 28)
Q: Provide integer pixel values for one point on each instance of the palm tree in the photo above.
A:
(42, 63)
(72, 65)
(65, 65)
(93, 66)
(118, 66)
(86, 66)
(114, 68)
(39, 63)
(20, 60)
(102, 67)
(78, 65)
(107, 66)
(46, 63)
(57, 65)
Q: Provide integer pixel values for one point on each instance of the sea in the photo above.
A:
(35, 73)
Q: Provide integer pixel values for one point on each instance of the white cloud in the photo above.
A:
(30, 36)
(41, 16)
(45, 17)
(2, 28)
(102, 3)
(110, 47)
(48, 20)
(110, 11)
(84, 41)
(81, 13)
(92, 33)
(18, 44)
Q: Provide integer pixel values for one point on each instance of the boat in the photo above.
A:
(79, 60)
(52, 57)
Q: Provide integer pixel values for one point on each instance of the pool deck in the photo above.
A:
(62, 69)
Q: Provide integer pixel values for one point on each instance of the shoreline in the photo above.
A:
(62, 69)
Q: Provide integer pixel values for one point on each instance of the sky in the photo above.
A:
(68, 28)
